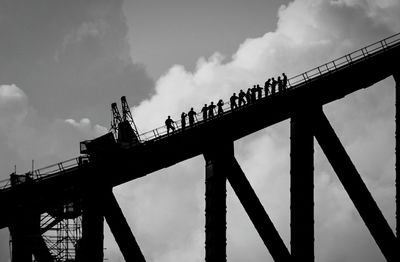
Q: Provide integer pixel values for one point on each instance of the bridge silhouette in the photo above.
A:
(36, 202)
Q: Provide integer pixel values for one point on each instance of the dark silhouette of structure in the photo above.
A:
(34, 203)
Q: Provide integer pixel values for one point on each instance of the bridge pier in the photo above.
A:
(91, 247)
(26, 239)
(215, 197)
(21, 233)
(302, 187)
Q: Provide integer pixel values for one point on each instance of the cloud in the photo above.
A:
(309, 33)
(72, 59)
(12, 105)
(85, 126)
(27, 135)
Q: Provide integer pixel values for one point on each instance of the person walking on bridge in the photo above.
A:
(233, 101)
(273, 85)
(191, 115)
(254, 93)
(248, 96)
(280, 86)
(242, 95)
(259, 91)
(183, 120)
(284, 81)
(204, 110)
(220, 109)
(211, 108)
(170, 124)
(266, 87)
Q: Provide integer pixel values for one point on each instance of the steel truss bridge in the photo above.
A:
(62, 199)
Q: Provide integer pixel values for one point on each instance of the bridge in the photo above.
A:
(35, 203)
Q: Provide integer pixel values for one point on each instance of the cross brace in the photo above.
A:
(355, 187)
(251, 204)
(121, 230)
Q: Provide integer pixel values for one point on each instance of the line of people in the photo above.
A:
(271, 87)
(208, 112)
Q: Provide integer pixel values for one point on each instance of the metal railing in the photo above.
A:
(298, 80)
(293, 82)
(43, 172)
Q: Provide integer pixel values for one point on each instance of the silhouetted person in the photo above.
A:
(170, 124)
(280, 86)
(266, 87)
(284, 81)
(183, 120)
(259, 92)
(273, 85)
(253, 93)
(220, 104)
(248, 96)
(191, 115)
(233, 101)
(204, 110)
(242, 95)
(211, 108)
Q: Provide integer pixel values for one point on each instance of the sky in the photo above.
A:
(62, 63)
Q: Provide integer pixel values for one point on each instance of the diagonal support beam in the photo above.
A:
(355, 187)
(256, 213)
(121, 230)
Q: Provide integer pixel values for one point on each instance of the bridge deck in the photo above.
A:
(316, 87)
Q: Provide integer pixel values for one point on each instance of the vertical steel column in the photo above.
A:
(27, 240)
(21, 232)
(216, 162)
(92, 229)
(302, 187)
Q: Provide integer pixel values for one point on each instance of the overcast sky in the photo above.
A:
(62, 63)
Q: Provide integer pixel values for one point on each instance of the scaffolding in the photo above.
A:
(62, 232)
